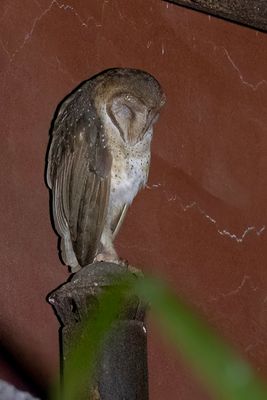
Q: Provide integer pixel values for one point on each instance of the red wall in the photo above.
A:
(201, 222)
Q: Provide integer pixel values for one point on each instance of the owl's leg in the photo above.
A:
(107, 251)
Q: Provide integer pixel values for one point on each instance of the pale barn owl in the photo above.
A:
(99, 158)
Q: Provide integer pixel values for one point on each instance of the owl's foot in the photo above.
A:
(124, 262)
(111, 257)
(74, 269)
(107, 257)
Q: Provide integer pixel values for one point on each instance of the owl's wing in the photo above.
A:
(78, 173)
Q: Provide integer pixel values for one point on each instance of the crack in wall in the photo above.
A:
(221, 231)
(252, 86)
(245, 280)
(28, 35)
(241, 77)
(102, 13)
(224, 231)
(59, 67)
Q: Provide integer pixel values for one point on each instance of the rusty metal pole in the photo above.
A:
(121, 372)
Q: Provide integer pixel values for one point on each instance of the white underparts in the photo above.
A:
(129, 172)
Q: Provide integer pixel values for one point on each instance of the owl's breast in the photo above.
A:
(129, 173)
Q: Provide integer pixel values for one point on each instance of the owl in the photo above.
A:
(99, 158)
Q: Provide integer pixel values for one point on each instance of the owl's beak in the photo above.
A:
(137, 131)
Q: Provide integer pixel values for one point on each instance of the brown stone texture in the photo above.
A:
(200, 223)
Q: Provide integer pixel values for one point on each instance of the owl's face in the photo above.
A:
(132, 117)
(131, 100)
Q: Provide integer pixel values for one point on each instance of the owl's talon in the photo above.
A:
(104, 257)
(123, 262)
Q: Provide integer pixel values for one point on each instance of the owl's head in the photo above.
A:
(132, 100)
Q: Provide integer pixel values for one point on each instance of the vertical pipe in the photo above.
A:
(121, 372)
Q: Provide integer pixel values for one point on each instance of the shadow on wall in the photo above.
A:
(19, 372)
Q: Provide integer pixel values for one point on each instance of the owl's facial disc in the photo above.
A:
(130, 116)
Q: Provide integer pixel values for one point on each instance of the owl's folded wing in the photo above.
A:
(78, 173)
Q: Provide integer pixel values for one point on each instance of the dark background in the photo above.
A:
(201, 222)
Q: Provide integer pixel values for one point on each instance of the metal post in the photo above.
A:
(122, 369)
